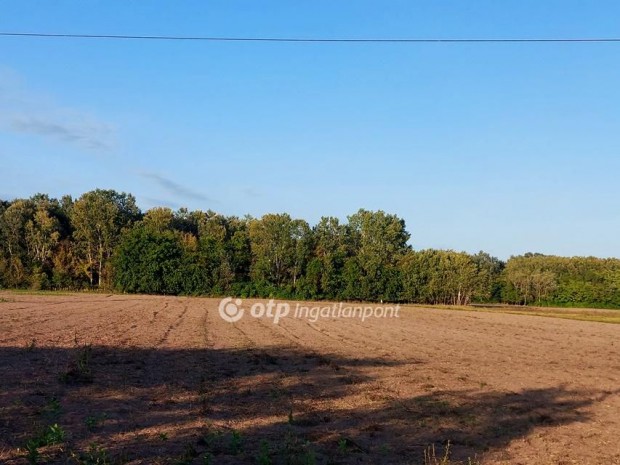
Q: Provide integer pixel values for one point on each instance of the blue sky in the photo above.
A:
(506, 148)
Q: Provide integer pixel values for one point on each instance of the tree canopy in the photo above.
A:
(103, 241)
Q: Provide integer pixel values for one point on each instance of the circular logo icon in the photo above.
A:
(230, 311)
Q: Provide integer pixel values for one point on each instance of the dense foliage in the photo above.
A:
(103, 241)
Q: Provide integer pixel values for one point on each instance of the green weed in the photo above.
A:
(54, 434)
(79, 369)
(236, 442)
(92, 422)
(263, 457)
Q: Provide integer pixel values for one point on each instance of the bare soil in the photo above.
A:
(164, 380)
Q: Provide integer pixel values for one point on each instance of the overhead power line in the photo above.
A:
(310, 39)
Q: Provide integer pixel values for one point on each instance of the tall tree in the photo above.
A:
(13, 226)
(98, 218)
(379, 240)
(150, 261)
(489, 270)
(280, 246)
(331, 248)
(42, 234)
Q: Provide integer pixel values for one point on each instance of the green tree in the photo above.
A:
(13, 226)
(323, 278)
(3, 249)
(447, 277)
(378, 241)
(489, 270)
(149, 261)
(280, 248)
(99, 217)
(42, 235)
(531, 277)
(42, 238)
(159, 219)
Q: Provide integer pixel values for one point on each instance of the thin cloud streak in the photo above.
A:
(175, 188)
(92, 135)
(26, 111)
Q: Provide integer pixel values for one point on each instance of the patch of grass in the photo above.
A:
(296, 451)
(95, 455)
(44, 292)
(236, 442)
(52, 409)
(470, 419)
(212, 441)
(53, 434)
(52, 292)
(433, 406)
(93, 422)
(596, 315)
(188, 455)
(431, 457)
(263, 457)
(32, 452)
(79, 368)
(602, 318)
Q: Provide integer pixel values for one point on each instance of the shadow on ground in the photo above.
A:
(275, 405)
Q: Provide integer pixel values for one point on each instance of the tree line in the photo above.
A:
(102, 240)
